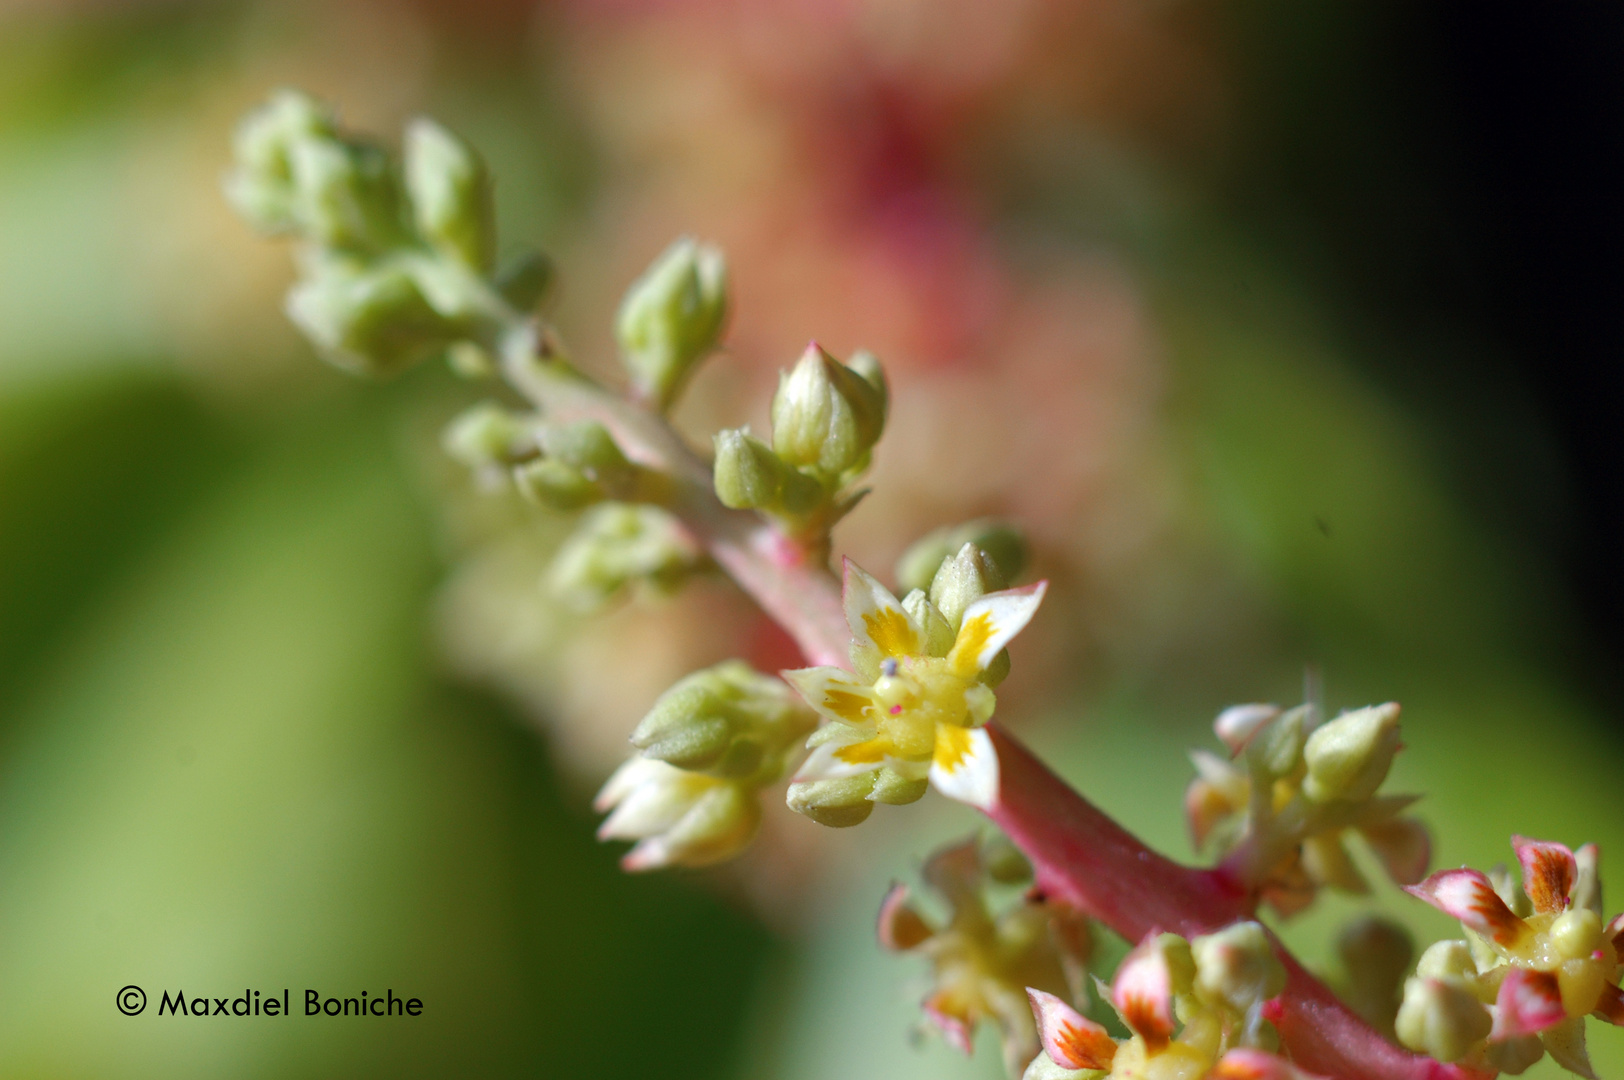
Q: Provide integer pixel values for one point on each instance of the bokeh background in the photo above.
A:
(1289, 331)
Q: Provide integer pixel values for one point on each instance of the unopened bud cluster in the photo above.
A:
(397, 263)
(1195, 1010)
(826, 418)
(981, 963)
(621, 544)
(710, 744)
(1279, 809)
(571, 466)
(1535, 962)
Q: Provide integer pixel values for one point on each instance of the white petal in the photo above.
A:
(656, 805)
(876, 618)
(991, 622)
(965, 766)
(824, 763)
(632, 772)
(836, 694)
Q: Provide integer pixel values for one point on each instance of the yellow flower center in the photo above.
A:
(918, 693)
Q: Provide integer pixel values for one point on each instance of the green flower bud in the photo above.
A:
(450, 191)
(826, 417)
(458, 294)
(367, 321)
(586, 445)
(470, 360)
(1348, 757)
(896, 789)
(729, 720)
(747, 473)
(671, 317)
(1237, 967)
(836, 803)
(749, 476)
(487, 435)
(678, 818)
(962, 580)
(346, 195)
(617, 544)
(525, 281)
(551, 483)
(1447, 961)
(1277, 747)
(1376, 954)
(867, 365)
(1003, 543)
(939, 636)
(1441, 1019)
(261, 185)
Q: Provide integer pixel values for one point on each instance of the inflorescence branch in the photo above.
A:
(397, 265)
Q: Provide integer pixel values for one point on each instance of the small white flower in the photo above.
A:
(921, 712)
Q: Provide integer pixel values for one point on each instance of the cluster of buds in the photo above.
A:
(1278, 819)
(1535, 962)
(560, 466)
(826, 418)
(1196, 1009)
(621, 544)
(691, 796)
(569, 466)
(981, 963)
(910, 711)
(397, 263)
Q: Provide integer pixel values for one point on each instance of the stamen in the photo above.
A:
(888, 667)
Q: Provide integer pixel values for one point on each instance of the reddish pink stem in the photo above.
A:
(1084, 858)
(1081, 855)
